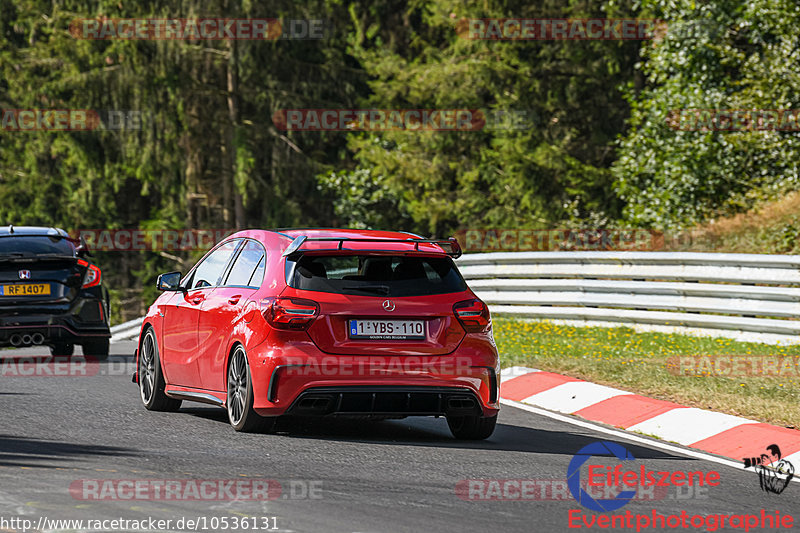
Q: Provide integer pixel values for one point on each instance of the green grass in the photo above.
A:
(638, 362)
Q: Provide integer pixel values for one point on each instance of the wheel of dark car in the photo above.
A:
(241, 414)
(472, 427)
(62, 348)
(151, 380)
(96, 348)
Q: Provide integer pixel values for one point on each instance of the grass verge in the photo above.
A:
(644, 363)
(773, 227)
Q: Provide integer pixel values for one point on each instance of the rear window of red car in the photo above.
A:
(376, 275)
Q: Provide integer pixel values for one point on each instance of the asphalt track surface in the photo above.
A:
(335, 475)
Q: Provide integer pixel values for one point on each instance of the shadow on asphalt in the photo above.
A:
(117, 351)
(430, 432)
(10, 356)
(22, 451)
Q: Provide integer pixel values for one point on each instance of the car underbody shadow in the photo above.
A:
(425, 432)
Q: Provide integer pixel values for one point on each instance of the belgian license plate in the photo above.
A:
(387, 329)
(25, 289)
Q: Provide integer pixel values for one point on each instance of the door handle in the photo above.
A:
(197, 299)
(234, 299)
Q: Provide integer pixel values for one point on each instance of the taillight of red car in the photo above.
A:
(93, 275)
(473, 315)
(289, 313)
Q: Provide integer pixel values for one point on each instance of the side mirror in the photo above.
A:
(171, 281)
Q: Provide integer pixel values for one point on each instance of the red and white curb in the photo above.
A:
(717, 433)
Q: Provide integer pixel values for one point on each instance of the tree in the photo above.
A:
(554, 167)
(721, 55)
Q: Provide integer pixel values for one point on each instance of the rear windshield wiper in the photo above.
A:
(380, 289)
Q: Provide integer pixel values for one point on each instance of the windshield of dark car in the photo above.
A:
(376, 275)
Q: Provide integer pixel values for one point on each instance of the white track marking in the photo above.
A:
(629, 436)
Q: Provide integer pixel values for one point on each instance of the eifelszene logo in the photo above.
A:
(605, 449)
(774, 473)
(611, 478)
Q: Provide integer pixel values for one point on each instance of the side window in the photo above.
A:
(209, 271)
(248, 269)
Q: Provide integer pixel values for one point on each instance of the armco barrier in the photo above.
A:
(127, 330)
(743, 296)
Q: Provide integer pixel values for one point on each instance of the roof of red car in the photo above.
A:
(358, 245)
(286, 237)
(351, 233)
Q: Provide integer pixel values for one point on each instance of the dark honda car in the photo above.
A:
(50, 294)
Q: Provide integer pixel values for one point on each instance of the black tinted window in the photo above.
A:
(377, 275)
(211, 268)
(36, 246)
(248, 269)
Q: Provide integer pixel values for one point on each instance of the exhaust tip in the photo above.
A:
(461, 403)
(26, 340)
(315, 404)
(16, 340)
(37, 338)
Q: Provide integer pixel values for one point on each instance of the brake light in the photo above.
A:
(93, 275)
(289, 313)
(473, 315)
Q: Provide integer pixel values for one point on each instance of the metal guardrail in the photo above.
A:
(127, 330)
(744, 296)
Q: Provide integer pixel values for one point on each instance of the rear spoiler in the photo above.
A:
(449, 246)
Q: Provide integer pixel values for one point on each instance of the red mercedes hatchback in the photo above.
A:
(323, 322)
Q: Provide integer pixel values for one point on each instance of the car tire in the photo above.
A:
(239, 402)
(62, 349)
(96, 348)
(151, 379)
(472, 427)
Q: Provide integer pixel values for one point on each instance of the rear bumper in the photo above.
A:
(386, 401)
(84, 319)
(322, 384)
